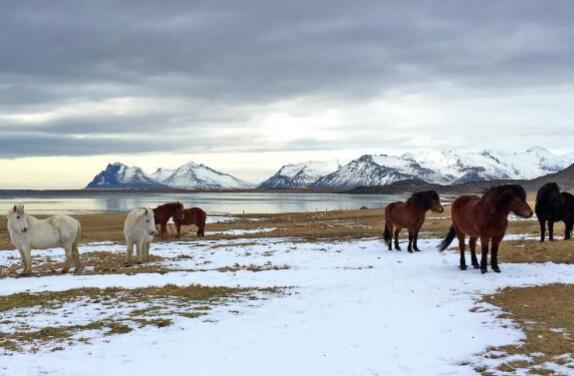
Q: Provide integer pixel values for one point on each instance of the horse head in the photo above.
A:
(428, 200)
(512, 197)
(17, 219)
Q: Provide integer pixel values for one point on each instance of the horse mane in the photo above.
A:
(423, 199)
(516, 189)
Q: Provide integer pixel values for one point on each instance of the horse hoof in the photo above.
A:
(496, 269)
(410, 251)
(417, 250)
(483, 270)
(462, 267)
(476, 266)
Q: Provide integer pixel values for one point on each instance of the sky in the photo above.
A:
(247, 86)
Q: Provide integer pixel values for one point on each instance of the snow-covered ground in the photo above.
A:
(355, 309)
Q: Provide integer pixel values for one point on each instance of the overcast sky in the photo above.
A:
(246, 86)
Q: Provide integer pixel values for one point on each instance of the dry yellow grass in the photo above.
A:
(546, 315)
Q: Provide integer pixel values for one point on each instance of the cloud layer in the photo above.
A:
(109, 77)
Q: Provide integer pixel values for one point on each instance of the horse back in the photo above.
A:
(193, 216)
(463, 214)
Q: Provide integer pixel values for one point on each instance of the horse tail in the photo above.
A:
(387, 235)
(449, 238)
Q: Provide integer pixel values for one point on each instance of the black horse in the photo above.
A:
(567, 213)
(549, 208)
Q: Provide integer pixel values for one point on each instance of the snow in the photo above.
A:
(446, 167)
(193, 175)
(355, 309)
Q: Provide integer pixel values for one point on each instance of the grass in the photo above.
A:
(546, 315)
(135, 308)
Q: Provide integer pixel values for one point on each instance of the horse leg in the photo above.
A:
(542, 229)
(411, 238)
(140, 251)
(567, 230)
(397, 231)
(461, 247)
(178, 226)
(27, 257)
(146, 249)
(69, 255)
(163, 230)
(551, 230)
(494, 256)
(484, 257)
(472, 246)
(23, 257)
(130, 252)
(415, 240)
(389, 228)
(76, 254)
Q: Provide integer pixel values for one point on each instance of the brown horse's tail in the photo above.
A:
(387, 235)
(449, 238)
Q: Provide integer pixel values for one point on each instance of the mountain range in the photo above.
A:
(446, 167)
(437, 167)
(189, 176)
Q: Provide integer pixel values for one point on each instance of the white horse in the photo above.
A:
(139, 229)
(28, 232)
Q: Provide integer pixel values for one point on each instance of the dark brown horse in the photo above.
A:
(409, 215)
(164, 212)
(193, 216)
(485, 218)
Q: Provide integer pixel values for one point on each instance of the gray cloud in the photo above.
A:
(225, 62)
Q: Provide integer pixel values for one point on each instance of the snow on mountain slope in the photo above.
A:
(188, 176)
(198, 176)
(445, 167)
(120, 176)
(300, 175)
(162, 174)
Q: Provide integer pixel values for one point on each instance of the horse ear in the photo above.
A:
(146, 211)
(15, 209)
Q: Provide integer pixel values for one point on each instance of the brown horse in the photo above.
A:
(193, 216)
(485, 218)
(164, 212)
(410, 215)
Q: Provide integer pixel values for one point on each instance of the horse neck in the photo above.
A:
(416, 209)
(494, 209)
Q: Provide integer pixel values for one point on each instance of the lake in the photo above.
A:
(52, 202)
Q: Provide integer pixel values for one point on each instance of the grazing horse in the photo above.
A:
(193, 216)
(28, 232)
(164, 212)
(548, 208)
(410, 215)
(485, 218)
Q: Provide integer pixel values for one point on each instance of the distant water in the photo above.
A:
(49, 202)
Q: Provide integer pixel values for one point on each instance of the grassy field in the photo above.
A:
(538, 310)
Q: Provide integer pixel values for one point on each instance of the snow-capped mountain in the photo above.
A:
(300, 175)
(120, 176)
(445, 167)
(162, 174)
(188, 176)
(199, 176)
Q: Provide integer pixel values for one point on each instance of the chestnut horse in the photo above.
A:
(485, 218)
(164, 212)
(410, 215)
(193, 216)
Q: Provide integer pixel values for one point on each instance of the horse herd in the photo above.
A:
(483, 218)
(28, 232)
